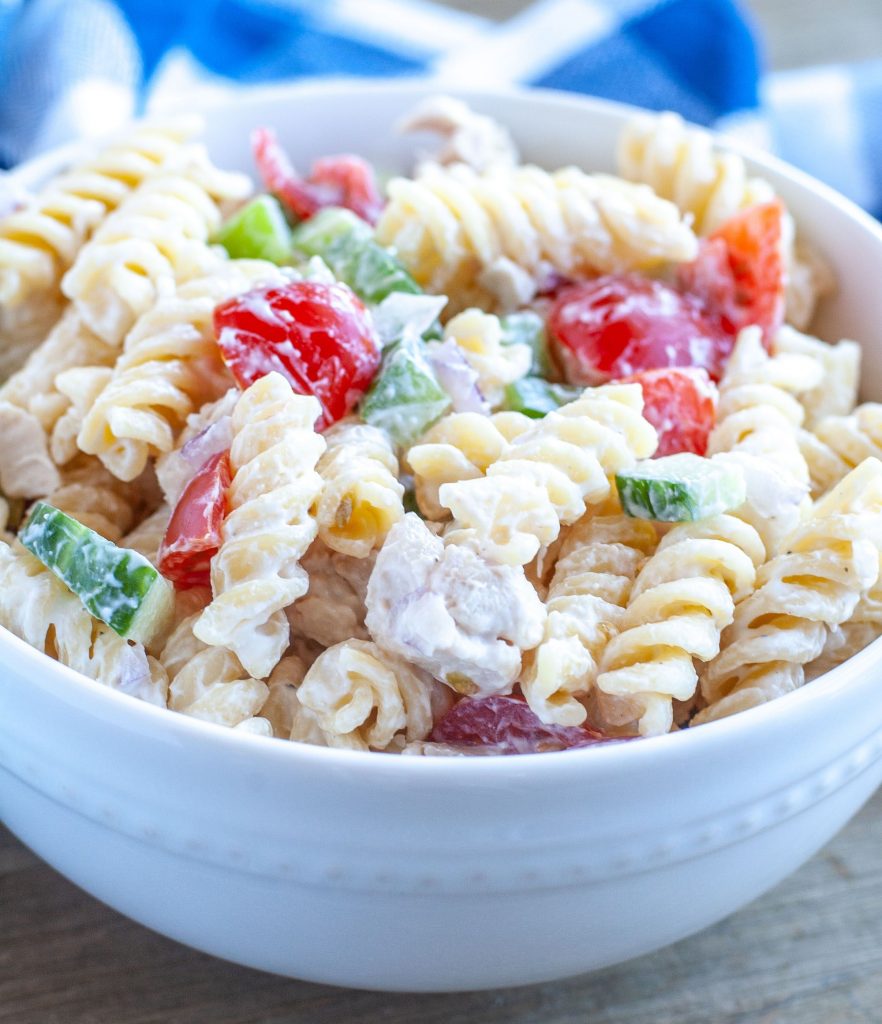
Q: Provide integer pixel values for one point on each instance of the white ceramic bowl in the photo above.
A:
(437, 874)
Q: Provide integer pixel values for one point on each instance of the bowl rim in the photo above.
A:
(66, 683)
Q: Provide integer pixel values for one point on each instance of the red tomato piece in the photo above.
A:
(739, 275)
(354, 180)
(280, 178)
(621, 324)
(193, 534)
(681, 403)
(508, 726)
(320, 337)
(344, 180)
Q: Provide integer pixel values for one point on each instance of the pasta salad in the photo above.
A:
(493, 459)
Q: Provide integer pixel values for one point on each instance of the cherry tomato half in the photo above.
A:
(739, 275)
(344, 180)
(621, 324)
(193, 534)
(320, 337)
(681, 403)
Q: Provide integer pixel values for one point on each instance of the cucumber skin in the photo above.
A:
(346, 244)
(405, 399)
(535, 397)
(664, 498)
(656, 500)
(82, 559)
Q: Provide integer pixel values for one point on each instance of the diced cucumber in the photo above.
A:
(405, 397)
(346, 243)
(680, 488)
(329, 229)
(115, 584)
(535, 397)
(528, 328)
(258, 231)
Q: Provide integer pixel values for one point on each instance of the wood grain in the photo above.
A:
(810, 952)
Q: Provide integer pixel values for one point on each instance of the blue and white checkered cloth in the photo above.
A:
(78, 68)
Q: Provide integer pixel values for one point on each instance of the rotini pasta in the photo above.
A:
(361, 497)
(816, 583)
(283, 710)
(256, 573)
(26, 470)
(155, 240)
(91, 495)
(839, 443)
(68, 345)
(146, 537)
(681, 164)
(479, 336)
(757, 411)
(836, 392)
(39, 242)
(459, 447)
(39, 609)
(549, 474)
(450, 226)
(365, 699)
(586, 599)
(758, 419)
(209, 682)
(169, 367)
(681, 601)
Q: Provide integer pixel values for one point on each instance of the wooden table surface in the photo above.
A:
(810, 952)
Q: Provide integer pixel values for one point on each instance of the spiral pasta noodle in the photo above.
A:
(169, 367)
(210, 683)
(549, 474)
(681, 164)
(283, 710)
(758, 425)
(70, 344)
(91, 495)
(365, 699)
(458, 447)
(361, 497)
(597, 563)
(154, 241)
(256, 573)
(26, 470)
(757, 411)
(836, 392)
(452, 225)
(39, 609)
(680, 603)
(39, 242)
(146, 537)
(816, 583)
(837, 444)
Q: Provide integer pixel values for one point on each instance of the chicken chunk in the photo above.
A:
(446, 610)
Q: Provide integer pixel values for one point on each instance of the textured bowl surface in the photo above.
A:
(441, 874)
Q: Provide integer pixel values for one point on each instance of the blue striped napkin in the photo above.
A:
(69, 69)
